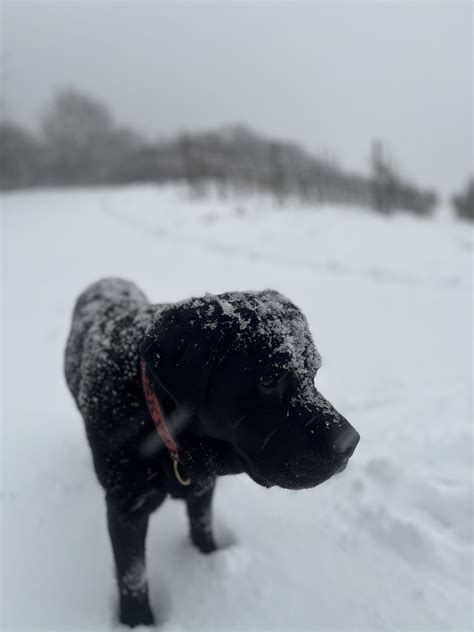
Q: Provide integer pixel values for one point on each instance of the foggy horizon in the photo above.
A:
(331, 77)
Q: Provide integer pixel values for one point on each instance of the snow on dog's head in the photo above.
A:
(244, 364)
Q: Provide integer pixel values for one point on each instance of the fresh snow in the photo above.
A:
(387, 545)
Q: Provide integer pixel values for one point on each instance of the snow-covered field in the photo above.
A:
(385, 546)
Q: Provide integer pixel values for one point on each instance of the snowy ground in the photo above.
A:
(385, 546)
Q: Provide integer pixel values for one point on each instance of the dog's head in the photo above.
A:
(243, 366)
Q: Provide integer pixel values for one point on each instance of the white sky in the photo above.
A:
(331, 75)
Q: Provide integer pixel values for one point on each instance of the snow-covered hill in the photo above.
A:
(385, 546)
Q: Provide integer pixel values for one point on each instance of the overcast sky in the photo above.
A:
(331, 75)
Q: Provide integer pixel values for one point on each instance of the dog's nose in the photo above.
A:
(346, 441)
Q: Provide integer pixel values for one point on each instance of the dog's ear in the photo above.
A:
(181, 348)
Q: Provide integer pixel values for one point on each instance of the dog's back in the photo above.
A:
(101, 359)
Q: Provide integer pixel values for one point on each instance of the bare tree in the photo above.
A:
(21, 157)
(384, 179)
(77, 132)
(464, 202)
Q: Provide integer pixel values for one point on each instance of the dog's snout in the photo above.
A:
(345, 442)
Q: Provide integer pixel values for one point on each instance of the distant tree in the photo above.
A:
(464, 202)
(390, 191)
(277, 171)
(384, 179)
(121, 145)
(194, 169)
(21, 157)
(82, 142)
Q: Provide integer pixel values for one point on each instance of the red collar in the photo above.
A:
(158, 418)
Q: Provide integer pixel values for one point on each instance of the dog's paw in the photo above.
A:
(204, 544)
(208, 547)
(133, 613)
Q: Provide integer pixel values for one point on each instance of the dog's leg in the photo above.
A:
(200, 518)
(128, 535)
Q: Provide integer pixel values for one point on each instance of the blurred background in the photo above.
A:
(357, 102)
(324, 149)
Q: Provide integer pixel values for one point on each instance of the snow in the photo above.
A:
(269, 319)
(387, 545)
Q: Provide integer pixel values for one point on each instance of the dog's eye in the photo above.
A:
(271, 380)
(268, 381)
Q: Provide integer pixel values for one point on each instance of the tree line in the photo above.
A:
(79, 143)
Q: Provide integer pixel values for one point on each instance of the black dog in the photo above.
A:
(228, 383)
